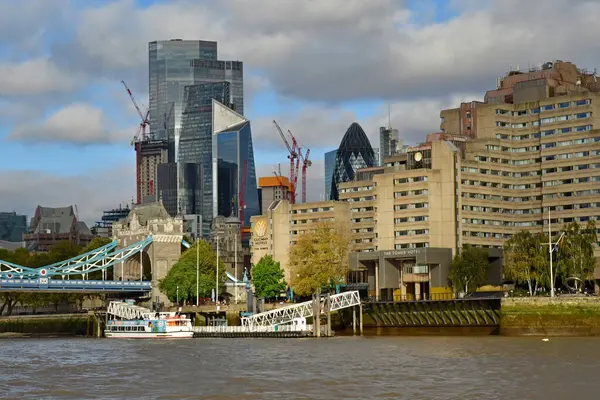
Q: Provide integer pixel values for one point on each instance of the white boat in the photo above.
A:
(132, 322)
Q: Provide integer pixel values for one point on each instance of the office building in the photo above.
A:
(180, 188)
(272, 188)
(355, 152)
(50, 226)
(329, 167)
(389, 143)
(12, 226)
(152, 153)
(103, 228)
(234, 189)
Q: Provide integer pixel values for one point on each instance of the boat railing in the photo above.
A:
(252, 329)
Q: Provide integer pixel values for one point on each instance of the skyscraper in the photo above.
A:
(389, 143)
(234, 190)
(185, 77)
(355, 152)
(329, 166)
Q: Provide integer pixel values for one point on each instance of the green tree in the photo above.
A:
(320, 258)
(183, 274)
(268, 278)
(526, 260)
(577, 251)
(469, 269)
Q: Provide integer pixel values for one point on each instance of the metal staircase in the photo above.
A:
(287, 314)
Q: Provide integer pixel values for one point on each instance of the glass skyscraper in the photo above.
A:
(329, 166)
(355, 152)
(233, 169)
(185, 77)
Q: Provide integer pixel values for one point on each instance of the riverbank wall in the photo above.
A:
(47, 326)
(544, 316)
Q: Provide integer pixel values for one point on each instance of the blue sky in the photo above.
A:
(314, 66)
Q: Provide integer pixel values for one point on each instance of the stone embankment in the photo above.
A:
(545, 316)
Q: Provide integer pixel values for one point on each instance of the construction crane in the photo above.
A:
(305, 164)
(293, 157)
(140, 134)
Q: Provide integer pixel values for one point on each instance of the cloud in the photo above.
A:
(77, 123)
(323, 127)
(22, 191)
(35, 76)
(344, 49)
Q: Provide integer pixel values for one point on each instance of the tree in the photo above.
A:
(526, 260)
(469, 269)
(320, 258)
(268, 278)
(183, 274)
(576, 251)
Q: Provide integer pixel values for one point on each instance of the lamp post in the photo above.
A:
(235, 267)
(217, 277)
(551, 248)
(197, 273)
(177, 295)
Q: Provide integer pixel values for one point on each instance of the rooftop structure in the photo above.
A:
(50, 226)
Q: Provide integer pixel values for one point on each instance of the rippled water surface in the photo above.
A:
(337, 368)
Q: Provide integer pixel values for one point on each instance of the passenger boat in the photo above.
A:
(140, 323)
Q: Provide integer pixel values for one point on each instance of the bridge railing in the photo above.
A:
(252, 329)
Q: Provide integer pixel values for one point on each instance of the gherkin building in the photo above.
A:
(355, 152)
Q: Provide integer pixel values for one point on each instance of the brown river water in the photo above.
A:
(337, 368)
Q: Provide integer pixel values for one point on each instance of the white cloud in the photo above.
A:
(34, 76)
(98, 190)
(76, 123)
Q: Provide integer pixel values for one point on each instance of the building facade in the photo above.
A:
(355, 152)
(12, 226)
(389, 143)
(180, 188)
(152, 153)
(234, 187)
(50, 226)
(272, 188)
(329, 167)
(103, 228)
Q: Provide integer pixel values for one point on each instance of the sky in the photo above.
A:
(315, 66)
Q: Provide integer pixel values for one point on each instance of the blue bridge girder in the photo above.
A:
(74, 285)
(96, 260)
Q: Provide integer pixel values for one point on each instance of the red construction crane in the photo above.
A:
(305, 163)
(137, 143)
(293, 157)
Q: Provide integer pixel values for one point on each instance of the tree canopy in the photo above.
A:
(469, 269)
(320, 258)
(183, 274)
(268, 278)
(576, 251)
(526, 260)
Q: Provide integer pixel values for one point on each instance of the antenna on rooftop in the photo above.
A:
(389, 116)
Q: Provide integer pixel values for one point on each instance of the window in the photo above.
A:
(548, 107)
(502, 124)
(583, 115)
(564, 130)
(535, 110)
(583, 128)
(583, 102)
(564, 105)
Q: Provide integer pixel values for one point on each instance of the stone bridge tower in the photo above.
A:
(164, 251)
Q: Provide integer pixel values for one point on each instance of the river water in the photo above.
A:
(335, 368)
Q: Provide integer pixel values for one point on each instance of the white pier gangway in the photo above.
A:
(126, 310)
(287, 314)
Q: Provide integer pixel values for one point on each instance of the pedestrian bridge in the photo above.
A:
(288, 314)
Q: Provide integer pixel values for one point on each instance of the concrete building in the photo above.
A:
(12, 226)
(275, 231)
(329, 167)
(272, 188)
(50, 226)
(152, 153)
(389, 143)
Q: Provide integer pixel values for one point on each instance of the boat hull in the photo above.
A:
(149, 335)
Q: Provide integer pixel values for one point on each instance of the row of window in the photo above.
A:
(311, 210)
(497, 197)
(547, 107)
(571, 181)
(410, 180)
(400, 207)
(546, 133)
(500, 210)
(494, 172)
(363, 230)
(420, 192)
(418, 245)
(501, 185)
(579, 193)
(359, 199)
(405, 220)
(311, 221)
(362, 209)
(579, 206)
(566, 156)
(506, 149)
(544, 121)
(412, 232)
(539, 222)
(574, 142)
(356, 189)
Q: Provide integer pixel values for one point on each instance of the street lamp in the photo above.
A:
(177, 295)
(197, 273)
(551, 248)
